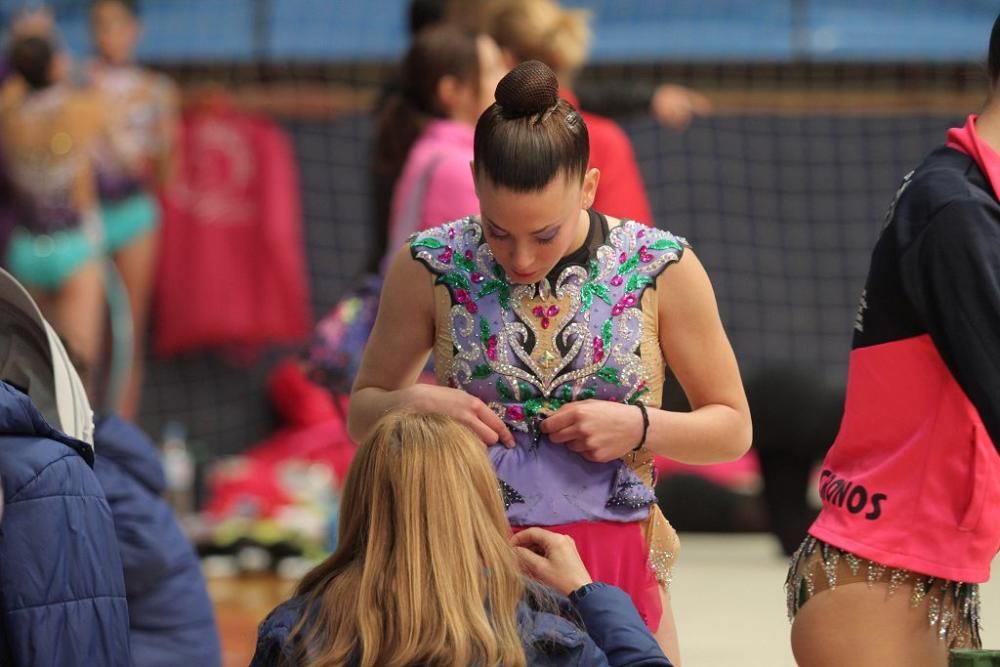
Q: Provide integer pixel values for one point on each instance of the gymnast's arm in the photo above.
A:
(699, 354)
(397, 351)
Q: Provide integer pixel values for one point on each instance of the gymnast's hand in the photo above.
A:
(464, 407)
(596, 430)
(550, 558)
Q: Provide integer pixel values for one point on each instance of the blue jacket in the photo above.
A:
(615, 635)
(62, 594)
(170, 614)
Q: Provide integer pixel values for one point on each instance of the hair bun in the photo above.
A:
(528, 89)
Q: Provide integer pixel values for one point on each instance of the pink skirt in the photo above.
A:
(617, 554)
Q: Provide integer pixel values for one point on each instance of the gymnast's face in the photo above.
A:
(529, 232)
(115, 30)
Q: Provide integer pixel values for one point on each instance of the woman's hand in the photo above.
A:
(461, 406)
(676, 106)
(551, 559)
(596, 430)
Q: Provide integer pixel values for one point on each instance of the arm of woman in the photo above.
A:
(619, 635)
(951, 274)
(698, 352)
(397, 350)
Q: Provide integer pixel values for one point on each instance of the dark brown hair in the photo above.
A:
(529, 134)
(31, 57)
(439, 51)
(425, 13)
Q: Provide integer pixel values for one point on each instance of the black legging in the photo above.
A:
(796, 415)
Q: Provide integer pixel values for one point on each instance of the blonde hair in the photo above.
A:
(542, 30)
(423, 573)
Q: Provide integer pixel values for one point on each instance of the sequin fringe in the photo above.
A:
(952, 607)
(664, 545)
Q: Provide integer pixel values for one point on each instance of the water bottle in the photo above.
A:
(178, 466)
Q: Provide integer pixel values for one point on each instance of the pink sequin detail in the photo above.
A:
(515, 413)
(540, 312)
(598, 350)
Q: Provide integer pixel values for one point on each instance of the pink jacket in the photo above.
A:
(439, 163)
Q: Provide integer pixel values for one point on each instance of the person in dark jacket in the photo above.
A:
(62, 593)
(170, 613)
(910, 523)
(426, 572)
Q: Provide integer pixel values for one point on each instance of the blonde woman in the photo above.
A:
(671, 105)
(425, 572)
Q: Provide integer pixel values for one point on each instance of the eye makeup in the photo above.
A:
(548, 235)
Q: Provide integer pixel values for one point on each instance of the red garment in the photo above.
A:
(626, 565)
(232, 268)
(945, 531)
(252, 485)
(299, 401)
(246, 488)
(621, 192)
(743, 472)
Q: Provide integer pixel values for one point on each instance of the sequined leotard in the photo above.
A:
(590, 331)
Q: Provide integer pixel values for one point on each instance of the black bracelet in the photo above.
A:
(645, 426)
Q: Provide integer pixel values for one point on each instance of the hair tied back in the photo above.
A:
(530, 88)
